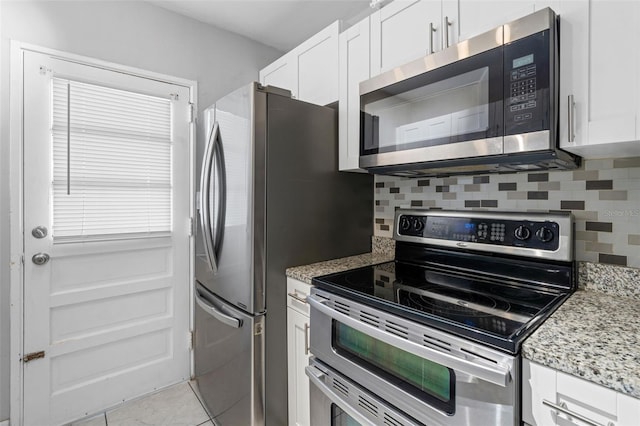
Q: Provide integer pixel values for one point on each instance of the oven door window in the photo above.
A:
(431, 382)
(341, 418)
(458, 102)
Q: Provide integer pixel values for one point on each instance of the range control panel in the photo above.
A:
(534, 234)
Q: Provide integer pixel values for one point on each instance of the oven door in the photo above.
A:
(338, 401)
(433, 377)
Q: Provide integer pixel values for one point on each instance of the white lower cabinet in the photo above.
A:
(550, 397)
(298, 351)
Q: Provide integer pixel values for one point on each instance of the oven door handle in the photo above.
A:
(497, 374)
(315, 377)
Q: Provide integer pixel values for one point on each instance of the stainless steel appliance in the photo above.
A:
(269, 197)
(435, 335)
(489, 103)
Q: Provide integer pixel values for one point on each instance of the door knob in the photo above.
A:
(39, 231)
(40, 258)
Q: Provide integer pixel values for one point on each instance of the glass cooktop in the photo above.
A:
(493, 311)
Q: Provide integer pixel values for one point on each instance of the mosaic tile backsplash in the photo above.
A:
(603, 195)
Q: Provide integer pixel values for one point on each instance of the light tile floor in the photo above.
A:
(177, 405)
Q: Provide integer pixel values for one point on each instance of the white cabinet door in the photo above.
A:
(281, 73)
(354, 68)
(297, 349)
(538, 384)
(613, 71)
(574, 72)
(403, 31)
(298, 352)
(317, 67)
(628, 410)
(310, 70)
(574, 398)
(600, 68)
(478, 16)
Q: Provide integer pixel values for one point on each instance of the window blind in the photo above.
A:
(111, 161)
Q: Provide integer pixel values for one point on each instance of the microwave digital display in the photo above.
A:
(525, 60)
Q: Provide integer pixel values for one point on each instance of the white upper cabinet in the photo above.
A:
(600, 72)
(404, 30)
(479, 16)
(310, 70)
(281, 73)
(354, 68)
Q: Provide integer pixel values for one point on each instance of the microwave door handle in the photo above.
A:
(205, 194)
(315, 377)
(498, 375)
(220, 174)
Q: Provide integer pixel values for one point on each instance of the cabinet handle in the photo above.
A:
(431, 31)
(571, 118)
(562, 408)
(447, 24)
(306, 338)
(298, 298)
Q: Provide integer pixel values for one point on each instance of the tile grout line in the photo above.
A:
(201, 403)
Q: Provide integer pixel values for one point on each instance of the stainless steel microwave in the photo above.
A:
(486, 104)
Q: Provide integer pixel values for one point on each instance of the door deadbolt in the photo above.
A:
(40, 258)
(39, 232)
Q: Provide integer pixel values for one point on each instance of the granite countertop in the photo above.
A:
(595, 336)
(307, 272)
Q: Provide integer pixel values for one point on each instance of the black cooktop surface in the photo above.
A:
(481, 307)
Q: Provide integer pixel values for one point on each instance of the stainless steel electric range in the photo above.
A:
(433, 338)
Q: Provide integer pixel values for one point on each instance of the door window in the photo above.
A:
(111, 161)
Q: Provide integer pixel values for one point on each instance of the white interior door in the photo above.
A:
(106, 177)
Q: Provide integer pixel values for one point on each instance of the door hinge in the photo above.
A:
(192, 227)
(32, 356)
(192, 113)
(192, 340)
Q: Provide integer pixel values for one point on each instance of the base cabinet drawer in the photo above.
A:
(550, 397)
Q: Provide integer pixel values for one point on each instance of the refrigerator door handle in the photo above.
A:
(205, 192)
(220, 316)
(220, 195)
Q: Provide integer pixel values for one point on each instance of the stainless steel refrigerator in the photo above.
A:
(269, 197)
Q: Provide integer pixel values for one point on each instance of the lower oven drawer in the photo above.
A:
(337, 401)
(431, 376)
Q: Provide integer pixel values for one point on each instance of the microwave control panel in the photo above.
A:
(527, 84)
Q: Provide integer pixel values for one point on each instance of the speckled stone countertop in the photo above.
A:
(307, 272)
(382, 251)
(595, 334)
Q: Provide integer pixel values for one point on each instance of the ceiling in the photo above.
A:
(282, 24)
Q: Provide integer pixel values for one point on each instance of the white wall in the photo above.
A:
(131, 33)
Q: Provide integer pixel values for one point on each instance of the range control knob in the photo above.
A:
(404, 223)
(544, 234)
(418, 225)
(522, 233)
